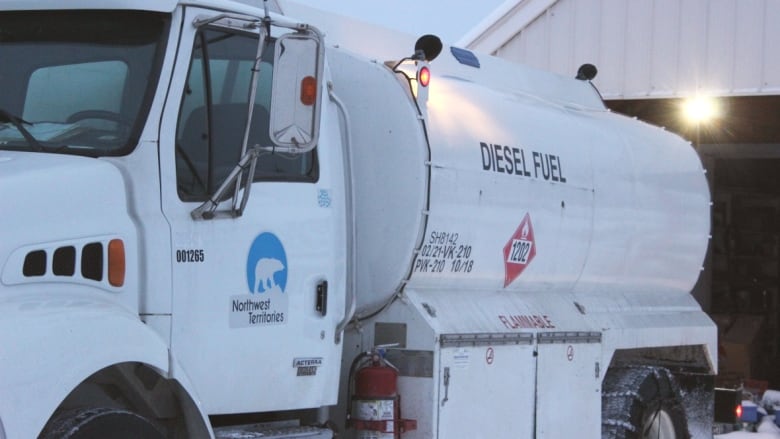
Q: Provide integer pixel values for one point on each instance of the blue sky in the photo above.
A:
(449, 19)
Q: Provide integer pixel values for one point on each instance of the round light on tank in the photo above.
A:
(424, 76)
(701, 109)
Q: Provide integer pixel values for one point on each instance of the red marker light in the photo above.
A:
(308, 90)
(424, 76)
(739, 412)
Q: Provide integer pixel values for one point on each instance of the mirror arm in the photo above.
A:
(250, 109)
(208, 210)
(253, 89)
(252, 22)
(248, 187)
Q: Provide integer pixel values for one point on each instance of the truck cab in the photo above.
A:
(129, 143)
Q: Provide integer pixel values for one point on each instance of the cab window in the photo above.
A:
(82, 80)
(213, 115)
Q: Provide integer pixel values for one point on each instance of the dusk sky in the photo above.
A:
(449, 19)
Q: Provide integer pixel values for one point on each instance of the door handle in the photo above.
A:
(322, 298)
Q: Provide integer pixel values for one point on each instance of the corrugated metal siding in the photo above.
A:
(651, 48)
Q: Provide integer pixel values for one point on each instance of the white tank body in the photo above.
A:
(389, 176)
(527, 184)
(556, 195)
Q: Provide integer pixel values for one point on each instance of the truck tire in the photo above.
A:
(642, 403)
(100, 423)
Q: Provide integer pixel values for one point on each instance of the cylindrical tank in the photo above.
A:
(390, 175)
(527, 184)
(549, 191)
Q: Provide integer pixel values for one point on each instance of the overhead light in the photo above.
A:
(701, 109)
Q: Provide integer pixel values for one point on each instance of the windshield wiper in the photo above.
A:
(19, 123)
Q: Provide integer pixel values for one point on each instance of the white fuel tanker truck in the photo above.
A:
(232, 220)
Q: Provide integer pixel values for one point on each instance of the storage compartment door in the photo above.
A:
(487, 391)
(568, 385)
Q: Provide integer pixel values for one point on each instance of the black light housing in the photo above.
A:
(429, 45)
(727, 402)
(587, 72)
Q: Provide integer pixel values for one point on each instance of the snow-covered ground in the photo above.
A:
(767, 429)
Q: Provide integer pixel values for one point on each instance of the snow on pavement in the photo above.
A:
(746, 435)
(767, 429)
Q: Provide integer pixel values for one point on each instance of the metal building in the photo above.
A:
(708, 70)
(644, 48)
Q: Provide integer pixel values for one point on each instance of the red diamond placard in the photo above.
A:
(519, 251)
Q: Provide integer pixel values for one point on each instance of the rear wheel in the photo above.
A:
(99, 423)
(642, 403)
(659, 424)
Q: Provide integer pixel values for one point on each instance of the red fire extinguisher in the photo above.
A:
(375, 409)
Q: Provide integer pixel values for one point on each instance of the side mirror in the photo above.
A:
(296, 95)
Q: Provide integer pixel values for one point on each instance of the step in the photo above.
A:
(272, 430)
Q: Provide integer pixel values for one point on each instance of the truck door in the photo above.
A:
(256, 297)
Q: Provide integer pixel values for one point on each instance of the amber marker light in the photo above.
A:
(116, 262)
(308, 91)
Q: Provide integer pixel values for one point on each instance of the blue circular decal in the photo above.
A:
(266, 265)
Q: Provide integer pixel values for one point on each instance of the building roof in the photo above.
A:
(643, 49)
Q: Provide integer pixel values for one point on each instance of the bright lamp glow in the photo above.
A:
(424, 76)
(701, 109)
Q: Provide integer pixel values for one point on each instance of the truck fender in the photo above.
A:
(48, 347)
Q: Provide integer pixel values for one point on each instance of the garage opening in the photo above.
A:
(740, 148)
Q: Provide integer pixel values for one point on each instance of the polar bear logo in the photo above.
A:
(266, 265)
(265, 270)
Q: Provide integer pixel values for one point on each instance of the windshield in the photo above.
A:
(77, 82)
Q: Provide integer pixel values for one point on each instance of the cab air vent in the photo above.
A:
(34, 264)
(92, 261)
(64, 263)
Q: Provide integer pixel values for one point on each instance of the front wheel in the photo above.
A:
(99, 423)
(642, 403)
